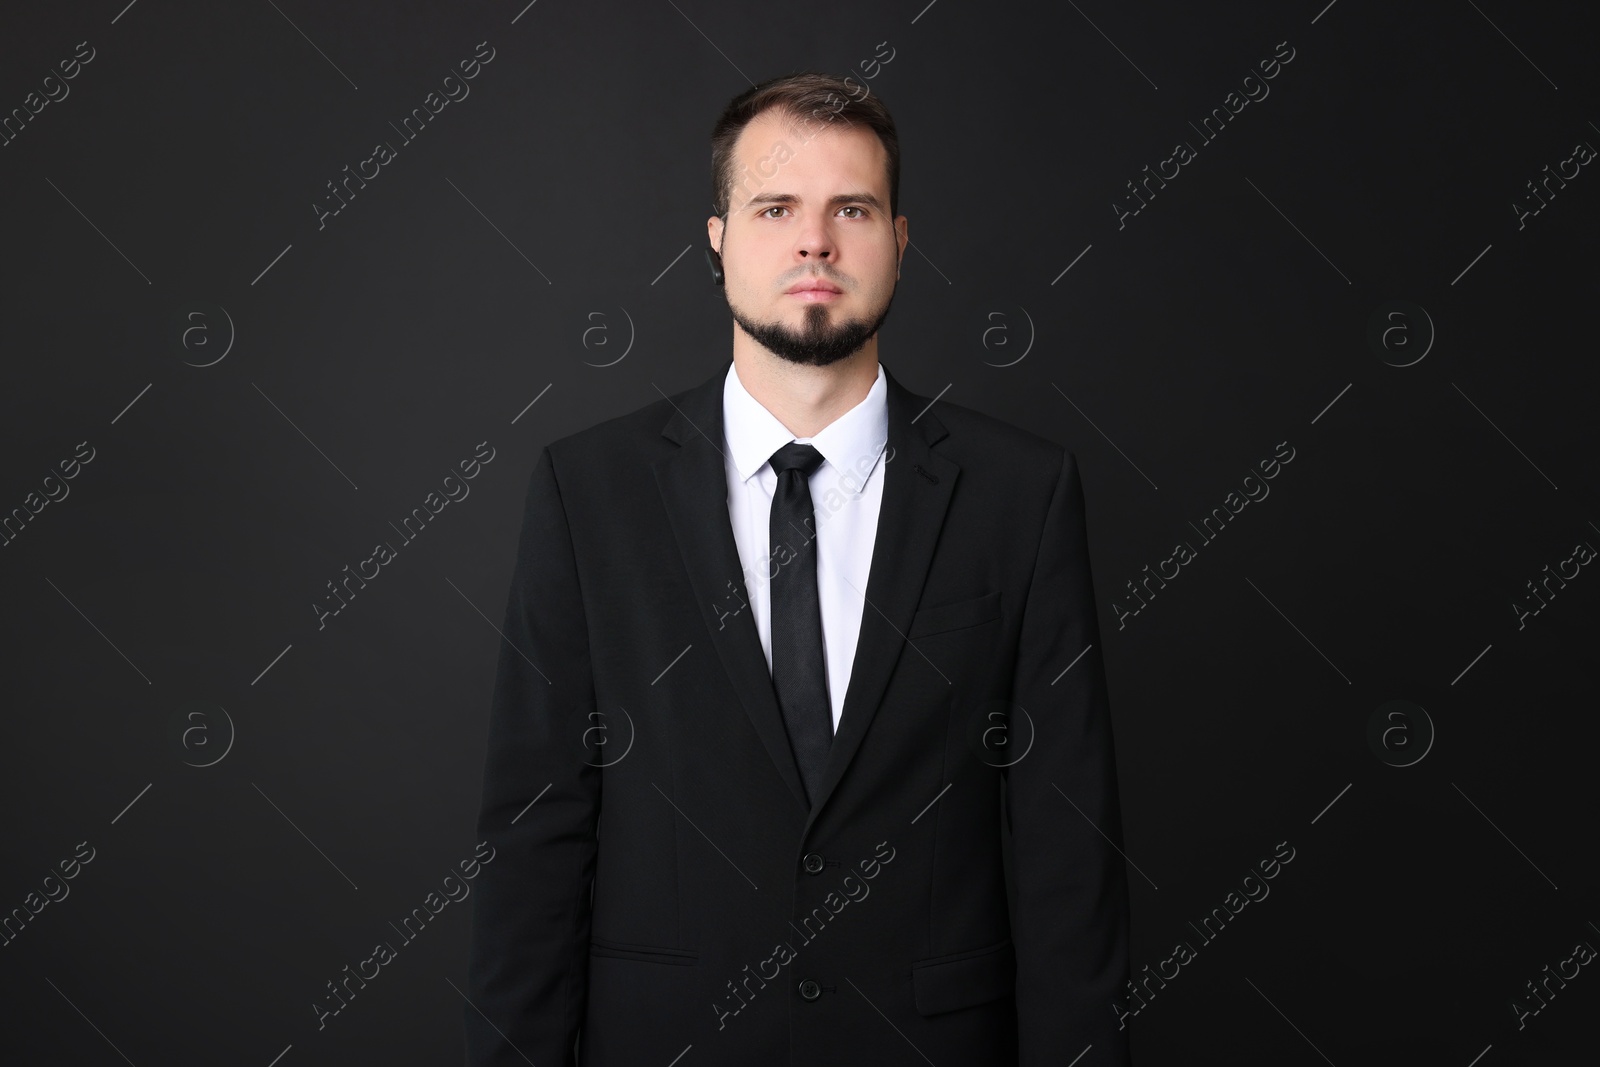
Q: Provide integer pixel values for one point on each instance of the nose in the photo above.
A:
(815, 242)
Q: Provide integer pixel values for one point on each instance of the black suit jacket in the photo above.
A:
(659, 886)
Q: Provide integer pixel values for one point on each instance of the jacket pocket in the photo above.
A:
(599, 946)
(945, 983)
(962, 613)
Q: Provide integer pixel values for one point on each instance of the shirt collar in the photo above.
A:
(851, 443)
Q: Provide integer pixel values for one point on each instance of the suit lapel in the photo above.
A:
(917, 483)
(694, 485)
(916, 493)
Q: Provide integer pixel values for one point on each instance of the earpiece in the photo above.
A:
(714, 261)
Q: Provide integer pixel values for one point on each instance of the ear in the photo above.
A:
(902, 236)
(714, 231)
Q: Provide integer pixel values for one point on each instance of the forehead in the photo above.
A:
(789, 154)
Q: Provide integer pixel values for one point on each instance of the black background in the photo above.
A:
(469, 279)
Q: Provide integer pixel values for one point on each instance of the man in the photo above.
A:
(799, 750)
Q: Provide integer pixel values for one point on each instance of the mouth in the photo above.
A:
(815, 290)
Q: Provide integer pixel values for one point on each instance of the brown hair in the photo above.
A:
(809, 95)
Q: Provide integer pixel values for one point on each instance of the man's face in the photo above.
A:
(809, 206)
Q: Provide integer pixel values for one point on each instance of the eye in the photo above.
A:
(768, 212)
(862, 213)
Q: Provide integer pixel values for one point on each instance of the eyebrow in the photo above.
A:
(833, 202)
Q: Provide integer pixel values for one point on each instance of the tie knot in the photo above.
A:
(796, 456)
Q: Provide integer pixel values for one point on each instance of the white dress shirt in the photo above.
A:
(846, 493)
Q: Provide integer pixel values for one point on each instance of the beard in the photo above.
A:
(819, 341)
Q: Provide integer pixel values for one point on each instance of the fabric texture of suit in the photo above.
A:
(955, 894)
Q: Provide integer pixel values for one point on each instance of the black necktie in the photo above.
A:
(799, 670)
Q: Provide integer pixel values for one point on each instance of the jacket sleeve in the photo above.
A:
(1070, 922)
(528, 963)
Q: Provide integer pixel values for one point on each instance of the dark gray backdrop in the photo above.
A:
(1340, 269)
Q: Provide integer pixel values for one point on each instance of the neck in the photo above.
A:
(805, 399)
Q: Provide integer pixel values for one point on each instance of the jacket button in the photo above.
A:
(810, 990)
(813, 862)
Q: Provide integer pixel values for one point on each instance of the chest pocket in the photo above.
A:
(957, 615)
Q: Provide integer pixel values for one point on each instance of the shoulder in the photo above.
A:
(991, 446)
(618, 442)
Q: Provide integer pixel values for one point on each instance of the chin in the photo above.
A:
(798, 319)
